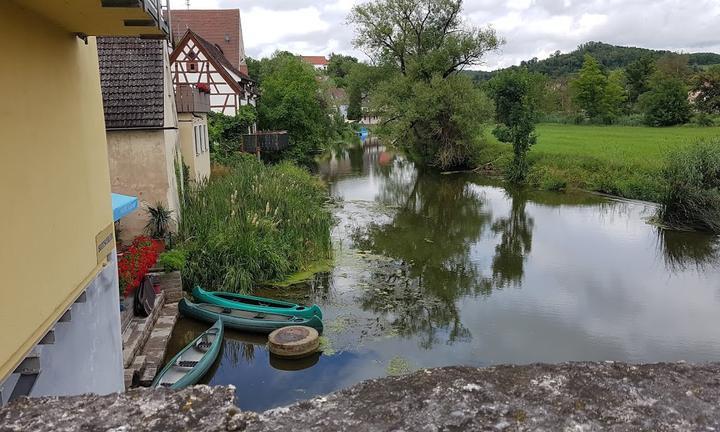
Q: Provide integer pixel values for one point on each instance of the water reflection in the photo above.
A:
(684, 250)
(457, 269)
(515, 243)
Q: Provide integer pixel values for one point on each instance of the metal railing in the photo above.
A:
(269, 141)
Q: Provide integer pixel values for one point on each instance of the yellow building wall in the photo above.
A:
(199, 165)
(54, 182)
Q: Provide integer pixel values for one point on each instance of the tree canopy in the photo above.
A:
(517, 94)
(427, 106)
(291, 100)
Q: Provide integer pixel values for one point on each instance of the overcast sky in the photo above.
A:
(532, 28)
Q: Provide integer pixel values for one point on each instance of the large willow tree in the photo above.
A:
(427, 107)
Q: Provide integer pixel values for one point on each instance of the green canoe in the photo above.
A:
(243, 320)
(255, 304)
(193, 361)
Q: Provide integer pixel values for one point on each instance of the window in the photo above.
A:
(196, 140)
(204, 136)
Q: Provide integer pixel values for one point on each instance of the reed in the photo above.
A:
(252, 224)
(692, 199)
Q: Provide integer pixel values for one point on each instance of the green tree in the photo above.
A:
(339, 67)
(706, 88)
(291, 100)
(360, 81)
(225, 132)
(354, 104)
(674, 65)
(589, 88)
(666, 103)
(516, 93)
(254, 67)
(427, 106)
(614, 97)
(638, 75)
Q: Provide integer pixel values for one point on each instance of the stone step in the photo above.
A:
(156, 345)
(138, 331)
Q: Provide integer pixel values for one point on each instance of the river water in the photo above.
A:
(434, 270)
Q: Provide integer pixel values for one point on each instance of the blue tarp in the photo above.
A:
(122, 205)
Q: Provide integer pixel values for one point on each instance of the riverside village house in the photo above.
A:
(60, 308)
(196, 60)
(142, 126)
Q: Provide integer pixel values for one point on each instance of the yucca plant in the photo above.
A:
(159, 221)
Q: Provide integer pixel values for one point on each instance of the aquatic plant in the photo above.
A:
(254, 223)
(692, 199)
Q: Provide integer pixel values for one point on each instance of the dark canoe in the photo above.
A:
(239, 319)
(255, 304)
(193, 361)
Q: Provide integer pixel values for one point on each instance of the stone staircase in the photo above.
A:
(145, 339)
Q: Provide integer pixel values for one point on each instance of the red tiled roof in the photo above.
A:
(220, 27)
(214, 52)
(316, 60)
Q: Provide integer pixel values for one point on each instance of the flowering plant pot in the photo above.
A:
(203, 88)
(136, 261)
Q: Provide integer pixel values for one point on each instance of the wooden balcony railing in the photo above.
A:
(191, 100)
(267, 141)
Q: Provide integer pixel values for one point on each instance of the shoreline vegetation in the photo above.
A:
(623, 161)
(253, 223)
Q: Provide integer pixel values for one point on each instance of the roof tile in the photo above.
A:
(132, 81)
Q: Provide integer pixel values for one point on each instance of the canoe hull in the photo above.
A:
(241, 301)
(196, 311)
(196, 373)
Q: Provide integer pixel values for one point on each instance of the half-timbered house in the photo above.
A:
(197, 61)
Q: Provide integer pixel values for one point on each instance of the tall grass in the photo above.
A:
(253, 223)
(618, 160)
(692, 200)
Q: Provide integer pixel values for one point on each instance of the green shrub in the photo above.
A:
(254, 223)
(692, 199)
(172, 260)
(704, 120)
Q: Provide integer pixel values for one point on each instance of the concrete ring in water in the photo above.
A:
(294, 341)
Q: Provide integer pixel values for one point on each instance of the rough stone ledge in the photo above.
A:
(569, 397)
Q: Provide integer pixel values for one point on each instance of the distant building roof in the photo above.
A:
(316, 60)
(221, 27)
(132, 81)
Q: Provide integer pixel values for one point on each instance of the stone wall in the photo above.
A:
(572, 396)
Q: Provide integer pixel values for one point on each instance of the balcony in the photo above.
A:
(105, 17)
(268, 141)
(191, 100)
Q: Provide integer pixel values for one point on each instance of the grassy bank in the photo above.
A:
(253, 223)
(620, 160)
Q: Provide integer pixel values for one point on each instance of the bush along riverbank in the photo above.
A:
(253, 223)
(618, 160)
(692, 197)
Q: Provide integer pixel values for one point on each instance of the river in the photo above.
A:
(434, 270)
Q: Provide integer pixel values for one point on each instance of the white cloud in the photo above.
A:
(532, 28)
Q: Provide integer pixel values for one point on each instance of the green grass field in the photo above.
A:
(620, 160)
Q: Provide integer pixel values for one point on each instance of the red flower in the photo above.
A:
(134, 264)
(204, 88)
